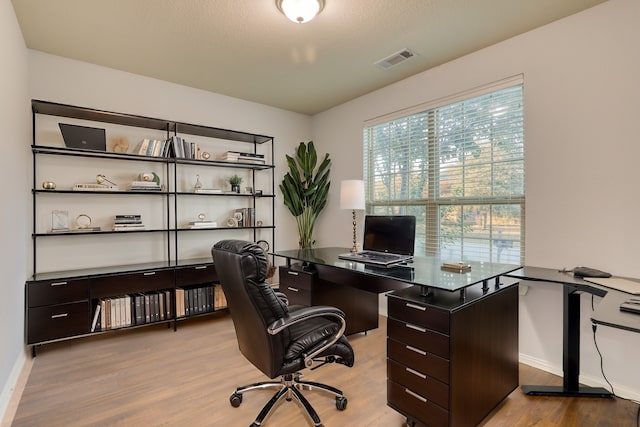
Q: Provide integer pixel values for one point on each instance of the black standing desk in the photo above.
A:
(607, 313)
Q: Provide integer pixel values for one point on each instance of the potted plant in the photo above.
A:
(235, 181)
(305, 189)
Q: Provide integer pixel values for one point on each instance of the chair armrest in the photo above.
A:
(303, 314)
(307, 313)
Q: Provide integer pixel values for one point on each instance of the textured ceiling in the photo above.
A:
(249, 50)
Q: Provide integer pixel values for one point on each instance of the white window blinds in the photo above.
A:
(459, 168)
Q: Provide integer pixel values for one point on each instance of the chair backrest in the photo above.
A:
(241, 267)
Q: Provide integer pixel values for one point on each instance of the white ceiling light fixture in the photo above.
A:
(300, 11)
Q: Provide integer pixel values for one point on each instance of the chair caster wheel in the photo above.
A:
(341, 403)
(235, 399)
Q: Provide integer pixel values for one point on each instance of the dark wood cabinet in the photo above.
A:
(451, 359)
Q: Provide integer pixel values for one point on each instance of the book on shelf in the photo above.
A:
(179, 302)
(128, 227)
(96, 316)
(246, 154)
(202, 224)
(144, 186)
(209, 190)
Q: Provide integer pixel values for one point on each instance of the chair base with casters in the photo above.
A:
(290, 387)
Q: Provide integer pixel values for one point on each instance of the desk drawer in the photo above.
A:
(413, 356)
(418, 314)
(410, 403)
(419, 337)
(300, 280)
(57, 292)
(58, 321)
(421, 383)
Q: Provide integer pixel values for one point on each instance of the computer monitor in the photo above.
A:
(390, 233)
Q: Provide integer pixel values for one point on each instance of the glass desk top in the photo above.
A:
(423, 271)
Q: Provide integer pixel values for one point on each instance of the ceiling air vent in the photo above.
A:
(396, 58)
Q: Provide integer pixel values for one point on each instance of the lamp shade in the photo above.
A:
(352, 194)
(300, 11)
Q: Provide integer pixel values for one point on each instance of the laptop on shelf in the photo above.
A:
(388, 241)
(83, 137)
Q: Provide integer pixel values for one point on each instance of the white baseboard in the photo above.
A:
(584, 379)
(13, 388)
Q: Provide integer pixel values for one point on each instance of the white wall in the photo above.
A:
(56, 79)
(15, 214)
(582, 98)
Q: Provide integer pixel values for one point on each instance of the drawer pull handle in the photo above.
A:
(414, 327)
(417, 350)
(417, 307)
(416, 373)
(293, 273)
(293, 289)
(416, 395)
(58, 283)
(149, 273)
(201, 267)
(58, 316)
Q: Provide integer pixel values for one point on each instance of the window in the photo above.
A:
(458, 166)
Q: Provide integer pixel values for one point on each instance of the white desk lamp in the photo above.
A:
(352, 197)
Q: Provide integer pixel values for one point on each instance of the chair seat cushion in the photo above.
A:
(306, 335)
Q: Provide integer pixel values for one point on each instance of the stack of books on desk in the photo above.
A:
(144, 186)
(127, 223)
(237, 156)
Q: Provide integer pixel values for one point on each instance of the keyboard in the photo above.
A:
(375, 258)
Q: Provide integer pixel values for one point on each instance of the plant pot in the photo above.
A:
(235, 188)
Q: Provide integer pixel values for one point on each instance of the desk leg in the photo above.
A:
(570, 355)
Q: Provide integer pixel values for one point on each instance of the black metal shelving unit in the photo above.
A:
(172, 198)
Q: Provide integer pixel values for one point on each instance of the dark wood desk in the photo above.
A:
(607, 313)
(452, 338)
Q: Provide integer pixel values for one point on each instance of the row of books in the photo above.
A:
(148, 307)
(198, 300)
(237, 156)
(172, 147)
(246, 217)
(129, 310)
(154, 148)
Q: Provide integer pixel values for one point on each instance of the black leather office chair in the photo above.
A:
(277, 339)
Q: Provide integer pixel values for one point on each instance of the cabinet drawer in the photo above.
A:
(56, 292)
(419, 337)
(58, 321)
(296, 279)
(296, 296)
(412, 356)
(418, 314)
(195, 275)
(145, 281)
(421, 383)
(412, 404)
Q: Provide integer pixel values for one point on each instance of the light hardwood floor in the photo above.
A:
(155, 377)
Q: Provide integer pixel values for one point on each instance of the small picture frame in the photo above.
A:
(59, 220)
